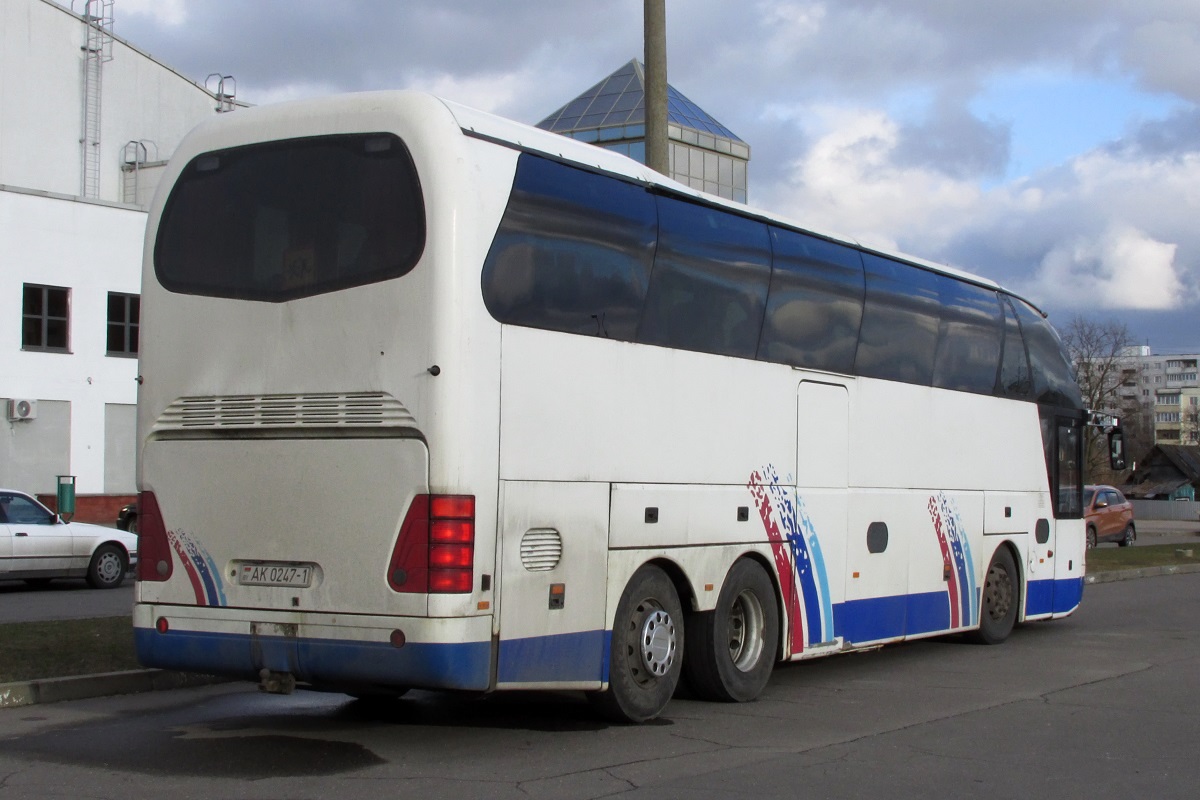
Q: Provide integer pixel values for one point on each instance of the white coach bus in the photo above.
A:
(432, 399)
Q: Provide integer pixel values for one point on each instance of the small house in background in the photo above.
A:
(1168, 472)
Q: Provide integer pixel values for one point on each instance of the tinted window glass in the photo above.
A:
(708, 289)
(900, 322)
(1069, 495)
(1053, 381)
(572, 253)
(291, 219)
(815, 305)
(1014, 368)
(969, 338)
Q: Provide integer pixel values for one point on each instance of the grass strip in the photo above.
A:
(1107, 559)
(31, 650)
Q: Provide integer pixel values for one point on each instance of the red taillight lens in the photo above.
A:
(449, 581)
(435, 551)
(451, 555)
(452, 530)
(452, 506)
(154, 551)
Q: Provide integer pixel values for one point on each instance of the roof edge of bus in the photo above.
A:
(520, 136)
(485, 124)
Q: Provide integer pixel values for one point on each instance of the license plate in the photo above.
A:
(276, 575)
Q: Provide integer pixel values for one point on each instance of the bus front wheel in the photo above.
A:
(1001, 595)
(646, 654)
(731, 649)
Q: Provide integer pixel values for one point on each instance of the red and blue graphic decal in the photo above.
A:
(798, 559)
(202, 572)
(956, 557)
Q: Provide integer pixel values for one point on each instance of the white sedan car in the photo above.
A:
(36, 545)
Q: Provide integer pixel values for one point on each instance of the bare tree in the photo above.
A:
(1099, 351)
(1189, 432)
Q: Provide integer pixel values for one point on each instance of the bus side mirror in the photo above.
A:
(1116, 450)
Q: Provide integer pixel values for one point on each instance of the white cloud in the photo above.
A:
(282, 93)
(170, 13)
(848, 182)
(1122, 269)
(485, 91)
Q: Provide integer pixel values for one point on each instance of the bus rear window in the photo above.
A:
(290, 219)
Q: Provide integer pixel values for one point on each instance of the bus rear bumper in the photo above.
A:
(316, 648)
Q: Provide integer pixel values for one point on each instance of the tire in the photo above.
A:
(731, 649)
(1091, 537)
(1001, 596)
(108, 567)
(1128, 536)
(132, 525)
(646, 655)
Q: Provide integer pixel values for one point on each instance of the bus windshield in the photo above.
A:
(283, 220)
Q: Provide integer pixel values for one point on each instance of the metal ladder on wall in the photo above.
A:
(97, 49)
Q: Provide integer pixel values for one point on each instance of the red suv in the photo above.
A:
(1109, 516)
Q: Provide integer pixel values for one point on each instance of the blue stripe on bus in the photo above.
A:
(876, 618)
(562, 657)
(455, 665)
(1053, 596)
(573, 657)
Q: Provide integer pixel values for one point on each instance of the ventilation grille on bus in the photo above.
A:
(541, 549)
(357, 409)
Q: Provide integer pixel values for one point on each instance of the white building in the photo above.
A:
(86, 120)
(1167, 386)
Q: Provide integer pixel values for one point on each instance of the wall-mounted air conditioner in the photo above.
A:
(21, 409)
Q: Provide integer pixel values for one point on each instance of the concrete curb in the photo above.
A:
(1142, 572)
(80, 687)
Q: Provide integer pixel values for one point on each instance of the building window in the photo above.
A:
(45, 322)
(124, 313)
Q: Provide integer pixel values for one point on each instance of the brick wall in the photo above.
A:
(100, 509)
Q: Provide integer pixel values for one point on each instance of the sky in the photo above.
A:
(1050, 145)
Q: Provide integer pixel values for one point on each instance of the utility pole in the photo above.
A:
(655, 21)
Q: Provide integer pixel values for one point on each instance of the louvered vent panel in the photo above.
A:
(286, 411)
(541, 550)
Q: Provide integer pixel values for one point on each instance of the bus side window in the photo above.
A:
(1015, 381)
(708, 290)
(572, 252)
(900, 322)
(969, 338)
(1053, 380)
(815, 305)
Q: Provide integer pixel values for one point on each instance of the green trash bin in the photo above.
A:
(66, 495)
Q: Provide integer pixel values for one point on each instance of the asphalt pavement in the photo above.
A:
(1098, 706)
(67, 598)
(1154, 531)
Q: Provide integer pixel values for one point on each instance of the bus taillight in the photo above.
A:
(154, 551)
(435, 551)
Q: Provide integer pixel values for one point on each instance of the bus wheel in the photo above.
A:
(647, 649)
(731, 650)
(1000, 600)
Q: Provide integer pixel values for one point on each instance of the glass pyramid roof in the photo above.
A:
(620, 99)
